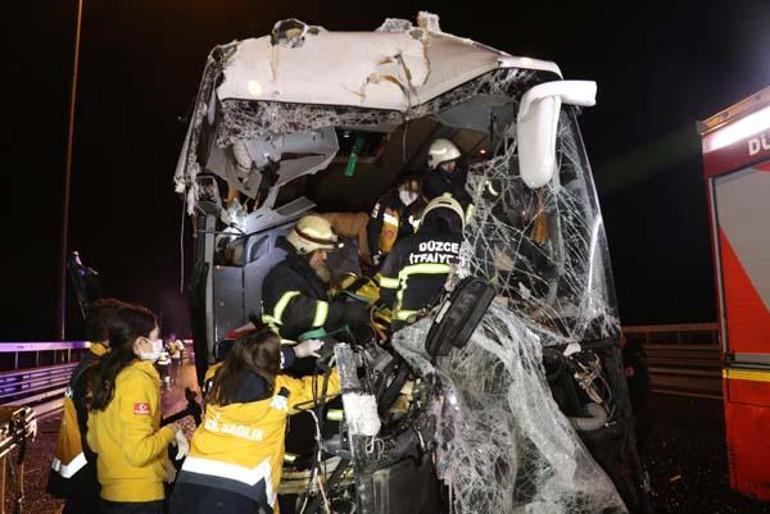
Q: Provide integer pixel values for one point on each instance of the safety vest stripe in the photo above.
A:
(389, 218)
(334, 414)
(281, 305)
(387, 282)
(231, 471)
(68, 470)
(408, 271)
(404, 314)
(424, 269)
(321, 313)
(271, 322)
(468, 213)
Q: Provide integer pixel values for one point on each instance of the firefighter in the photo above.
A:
(415, 272)
(395, 216)
(73, 469)
(237, 452)
(447, 173)
(294, 293)
(124, 419)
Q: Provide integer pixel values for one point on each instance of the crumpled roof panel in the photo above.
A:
(395, 69)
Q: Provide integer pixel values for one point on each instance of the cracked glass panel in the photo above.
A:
(503, 445)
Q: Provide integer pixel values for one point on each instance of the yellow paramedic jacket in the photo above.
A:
(128, 440)
(69, 457)
(239, 447)
(208, 378)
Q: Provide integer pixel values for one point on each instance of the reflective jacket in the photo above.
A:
(438, 182)
(128, 440)
(239, 447)
(208, 380)
(164, 359)
(415, 272)
(390, 221)
(73, 470)
(294, 299)
(288, 357)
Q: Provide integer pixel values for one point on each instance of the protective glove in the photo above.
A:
(307, 348)
(381, 323)
(182, 445)
(383, 316)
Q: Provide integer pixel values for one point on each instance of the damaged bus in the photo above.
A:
(508, 395)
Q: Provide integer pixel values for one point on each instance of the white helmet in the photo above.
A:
(442, 150)
(312, 233)
(439, 207)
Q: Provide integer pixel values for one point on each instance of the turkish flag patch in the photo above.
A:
(142, 409)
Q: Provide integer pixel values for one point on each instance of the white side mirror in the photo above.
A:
(537, 125)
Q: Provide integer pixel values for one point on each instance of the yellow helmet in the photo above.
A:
(442, 150)
(440, 207)
(312, 233)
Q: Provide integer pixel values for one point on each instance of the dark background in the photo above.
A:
(659, 66)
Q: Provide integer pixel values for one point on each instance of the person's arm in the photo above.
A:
(301, 389)
(287, 307)
(387, 278)
(138, 404)
(303, 314)
(288, 356)
(373, 230)
(298, 313)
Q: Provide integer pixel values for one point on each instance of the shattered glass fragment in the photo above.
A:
(504, 445)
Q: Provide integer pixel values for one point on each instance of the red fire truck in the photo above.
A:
(736, 166)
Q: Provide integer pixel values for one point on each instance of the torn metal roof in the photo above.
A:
(395, 67)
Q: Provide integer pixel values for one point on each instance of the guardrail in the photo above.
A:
(41, 372)
(684, 359)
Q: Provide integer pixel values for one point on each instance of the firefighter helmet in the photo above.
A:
(442, 150)
(447, 208)
(312, 233)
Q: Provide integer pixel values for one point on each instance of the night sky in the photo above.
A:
(659, 67)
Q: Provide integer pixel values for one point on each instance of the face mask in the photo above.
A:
(157, 347)
(407, 197)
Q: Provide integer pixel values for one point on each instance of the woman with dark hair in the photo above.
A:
(237, 452)
(73, 469)
(124, 422)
